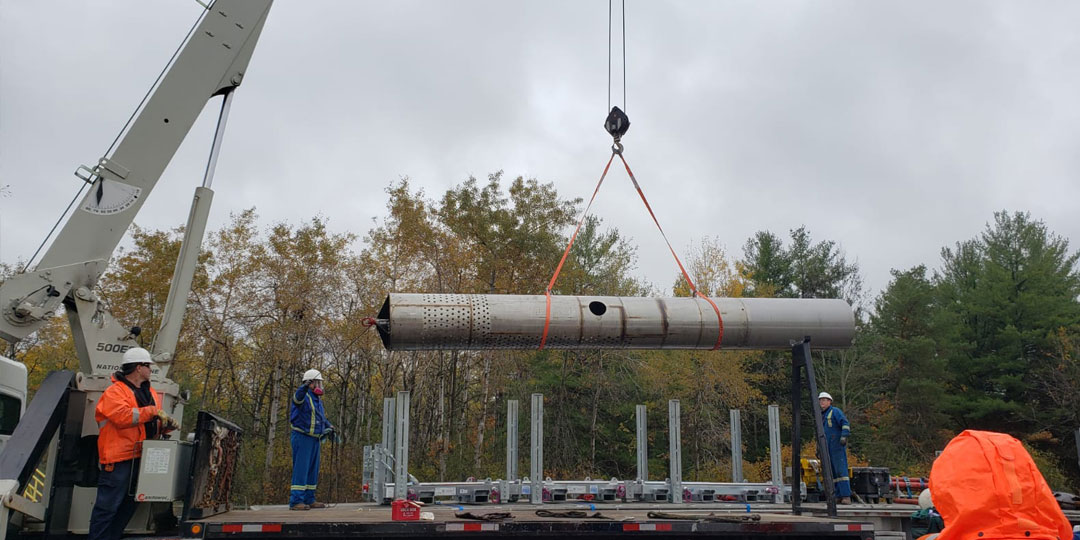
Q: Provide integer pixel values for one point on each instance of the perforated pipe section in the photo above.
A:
(447, 321)
(472, 322)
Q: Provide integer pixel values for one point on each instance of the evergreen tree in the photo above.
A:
(1005, 295)
(909, 417)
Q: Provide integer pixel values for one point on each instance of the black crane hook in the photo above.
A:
(617, 124)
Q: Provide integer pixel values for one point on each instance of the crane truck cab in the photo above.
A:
(12, 396)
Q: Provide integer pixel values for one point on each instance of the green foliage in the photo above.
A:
(903, 331)
(802, 270)
(1005, 294)
(989, 340)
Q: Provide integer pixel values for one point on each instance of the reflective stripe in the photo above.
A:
(135, 416)
(841, 479)
(311, 428)
(313, 487)
(102, 423)
(297, 488)
(829, 417)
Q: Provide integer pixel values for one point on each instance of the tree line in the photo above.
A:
(988, 337)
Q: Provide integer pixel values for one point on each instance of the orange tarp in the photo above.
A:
(986, 487)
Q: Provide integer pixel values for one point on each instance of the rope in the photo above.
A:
(712, 517)
(490, 516)
(571, 514)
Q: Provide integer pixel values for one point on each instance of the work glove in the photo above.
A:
(333, 436)
(171, 425)
(167, 422)
(843, 441)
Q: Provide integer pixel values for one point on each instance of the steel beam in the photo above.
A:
(536, 462)
(675, 451)
(736, 446)
(775, 460)
(512, 440)
(401, 451)
(642, 444)
(381, 453)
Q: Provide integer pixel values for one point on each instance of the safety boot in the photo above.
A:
(317, 504)
(300, 506)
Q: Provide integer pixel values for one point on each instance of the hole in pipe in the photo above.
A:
(597, 308)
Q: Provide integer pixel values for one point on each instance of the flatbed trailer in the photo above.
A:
(369, 520)
(619, 520)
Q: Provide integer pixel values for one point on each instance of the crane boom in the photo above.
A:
(212, 62)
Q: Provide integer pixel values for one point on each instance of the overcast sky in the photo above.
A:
(893, 128)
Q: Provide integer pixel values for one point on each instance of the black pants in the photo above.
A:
(114, 505)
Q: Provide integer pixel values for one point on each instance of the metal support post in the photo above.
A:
(536, 462)
(775, 460)
(642, 444)
(378, 474)
(366, 473)
(736, 446)
(401, 451)
(512, 440)
(675, 450)
(381, 453)
(801, 358)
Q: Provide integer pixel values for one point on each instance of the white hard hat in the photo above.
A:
(312, 375)
(136, 355)
(924, 499)
(825, 395)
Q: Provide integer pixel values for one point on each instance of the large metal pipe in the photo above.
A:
(484, 321)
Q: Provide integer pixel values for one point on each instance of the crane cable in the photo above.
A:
(610, 18)
(617, 124)
(120, 133)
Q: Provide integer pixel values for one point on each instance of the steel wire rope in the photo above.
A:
(610, 18)
(121, 132)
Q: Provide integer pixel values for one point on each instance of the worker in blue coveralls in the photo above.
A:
(309, 428)
(837, 431)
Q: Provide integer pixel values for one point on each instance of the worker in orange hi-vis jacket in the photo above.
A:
(986, 487)
(128, 413)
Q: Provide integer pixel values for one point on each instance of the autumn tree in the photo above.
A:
(515, 238)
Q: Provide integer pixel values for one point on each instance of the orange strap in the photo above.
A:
(555, 276)
(686, 276)
(566, 252)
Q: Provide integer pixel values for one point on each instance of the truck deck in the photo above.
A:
(368, 520)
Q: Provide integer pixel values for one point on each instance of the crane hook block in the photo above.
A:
(617, 123)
